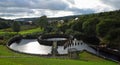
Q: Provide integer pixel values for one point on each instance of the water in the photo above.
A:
(55, 39)
(32, 46)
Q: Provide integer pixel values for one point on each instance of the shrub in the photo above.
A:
(6, 36)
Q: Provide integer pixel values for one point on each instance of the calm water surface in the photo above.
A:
(32, 46)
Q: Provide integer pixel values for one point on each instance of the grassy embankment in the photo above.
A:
(8, 57)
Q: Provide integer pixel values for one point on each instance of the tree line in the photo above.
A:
(102, 28)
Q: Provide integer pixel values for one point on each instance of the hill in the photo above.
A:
(53, 18)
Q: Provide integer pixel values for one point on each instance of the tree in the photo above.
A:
(89, 26)
(77, 26)
(91, 40)
(16, 26)
(114, 38)
(42, 21)
(3, 25)
(69, 32)
(105, 26)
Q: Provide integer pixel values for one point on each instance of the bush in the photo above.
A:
(6, 36)
(32, 36)
(72, 32)
(2, 42)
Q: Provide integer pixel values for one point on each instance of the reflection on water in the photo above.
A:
(32, 46)
(55, 39)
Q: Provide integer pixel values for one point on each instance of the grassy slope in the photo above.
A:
(35, 60)
(89, 57)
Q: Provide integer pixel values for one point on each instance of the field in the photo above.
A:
(31, 31)
(8, 57)
(23, 28)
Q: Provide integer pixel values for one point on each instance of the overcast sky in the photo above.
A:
(11, 9)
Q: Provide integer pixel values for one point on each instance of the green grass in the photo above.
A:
(27, 27)
(36, 30)
(31, 31)
(89, 57)
(35, 60)
(23, 28)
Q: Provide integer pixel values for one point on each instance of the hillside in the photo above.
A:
(105, 26)
(103, 14)
(53, 18)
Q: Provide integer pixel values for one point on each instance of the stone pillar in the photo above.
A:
(54, 48)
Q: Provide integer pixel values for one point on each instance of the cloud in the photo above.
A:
(71, 1)
(54, 8)
(15, 10)
(80, 11)
(36, 13)
(34, 4)
(113, 3)
(62, 13)
(30, 8)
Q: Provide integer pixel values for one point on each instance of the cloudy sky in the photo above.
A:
(11, 9)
